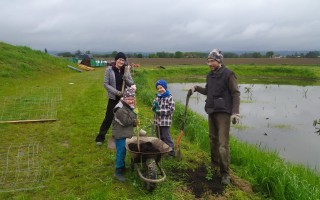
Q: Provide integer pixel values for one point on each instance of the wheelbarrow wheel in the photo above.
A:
(151, 173)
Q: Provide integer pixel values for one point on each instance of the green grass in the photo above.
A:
(72, 167)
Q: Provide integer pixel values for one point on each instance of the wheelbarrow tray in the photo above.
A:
(142, 157)
(156, 142)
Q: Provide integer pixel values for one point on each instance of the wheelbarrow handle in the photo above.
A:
(151, 180)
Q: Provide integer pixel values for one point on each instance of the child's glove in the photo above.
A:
(136, 111)
(137, 122)
(155, 107)
(142, 133)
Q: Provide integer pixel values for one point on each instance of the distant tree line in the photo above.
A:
(179, 54)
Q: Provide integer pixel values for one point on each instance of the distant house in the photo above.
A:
(88, 60)
(85, 59)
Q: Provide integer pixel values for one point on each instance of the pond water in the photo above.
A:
(274, 117)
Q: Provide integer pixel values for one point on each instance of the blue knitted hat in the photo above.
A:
(163, 83)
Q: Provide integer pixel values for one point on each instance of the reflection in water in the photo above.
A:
(275, 117)
(248, 91)
(305, 92)
(315, 124)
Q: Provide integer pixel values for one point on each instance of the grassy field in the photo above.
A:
(59, 159)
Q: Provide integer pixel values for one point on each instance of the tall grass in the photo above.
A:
(272, 175)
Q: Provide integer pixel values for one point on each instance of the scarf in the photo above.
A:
(166, 94)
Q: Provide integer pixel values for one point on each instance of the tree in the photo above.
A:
(230, 55)
(78, 53)
(152, 55)
(162, 54)
(313, 54)
(256, 55)
(114, 53)
(178, 54)
(269, 54)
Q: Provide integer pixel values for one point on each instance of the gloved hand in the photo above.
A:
(137, 122)
(134, 87)
(155, 107)
(192, 90)
(119, 94)
(142, 133)
(235, 118)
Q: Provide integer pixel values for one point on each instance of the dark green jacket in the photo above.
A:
(123, 122)
(222, 92)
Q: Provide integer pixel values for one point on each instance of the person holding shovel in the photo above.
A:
(163, 106)
(222, 107)
(115, 80)
(122, 127)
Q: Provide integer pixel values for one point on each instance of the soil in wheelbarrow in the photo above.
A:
(144, 147)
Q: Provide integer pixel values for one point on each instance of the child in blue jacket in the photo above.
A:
(163, 107)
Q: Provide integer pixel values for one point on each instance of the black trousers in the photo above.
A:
(107, 120)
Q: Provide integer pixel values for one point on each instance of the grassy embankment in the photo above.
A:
(73, 167)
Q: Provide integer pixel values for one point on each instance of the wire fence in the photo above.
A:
(20, 168)
(34, 103)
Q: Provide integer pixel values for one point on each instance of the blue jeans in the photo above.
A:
(120, 152)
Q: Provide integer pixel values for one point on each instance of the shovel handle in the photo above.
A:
(123, 82)
(179, 139)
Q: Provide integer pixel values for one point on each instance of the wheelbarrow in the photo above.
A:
(146, 153)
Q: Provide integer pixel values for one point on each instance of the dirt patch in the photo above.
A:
(206, 181)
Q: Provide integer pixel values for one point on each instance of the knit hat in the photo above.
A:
(163, 83)
(216, 55)
(129, 92)
(120, 55)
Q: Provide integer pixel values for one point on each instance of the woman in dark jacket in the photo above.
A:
(113, 80)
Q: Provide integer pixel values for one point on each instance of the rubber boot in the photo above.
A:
(119, 175)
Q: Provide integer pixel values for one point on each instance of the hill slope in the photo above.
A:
(19, 61)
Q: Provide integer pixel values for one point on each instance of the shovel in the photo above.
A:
(111, 144)
(178, 151)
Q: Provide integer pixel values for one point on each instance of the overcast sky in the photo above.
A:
(161, 25)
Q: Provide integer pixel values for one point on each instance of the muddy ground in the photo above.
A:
(204, 182)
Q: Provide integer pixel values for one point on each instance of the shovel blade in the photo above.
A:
(111, 144)
(178, 154)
